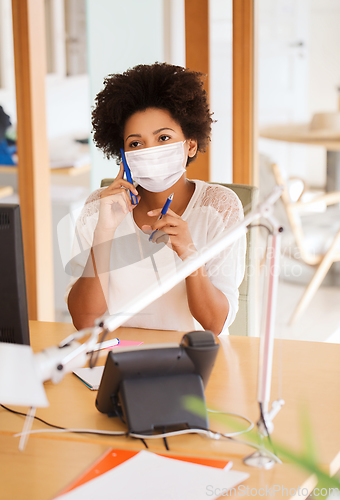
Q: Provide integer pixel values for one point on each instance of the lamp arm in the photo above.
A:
(54, 362)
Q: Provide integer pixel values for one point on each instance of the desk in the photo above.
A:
(311, 375)
(292, 133)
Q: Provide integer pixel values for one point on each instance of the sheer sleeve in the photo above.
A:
(223, 209)
(83, 238)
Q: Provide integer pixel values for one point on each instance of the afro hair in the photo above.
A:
(165, 86)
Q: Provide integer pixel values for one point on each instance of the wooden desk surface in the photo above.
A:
(47, 466)
(44, 468)
(311, 376)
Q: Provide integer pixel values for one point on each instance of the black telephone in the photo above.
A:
(145, 386)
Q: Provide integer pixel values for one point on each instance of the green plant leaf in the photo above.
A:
(309, 448)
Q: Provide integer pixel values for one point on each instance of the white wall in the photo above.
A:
(121, 34)
(68, 106)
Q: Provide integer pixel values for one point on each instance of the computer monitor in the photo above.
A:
(13, 301)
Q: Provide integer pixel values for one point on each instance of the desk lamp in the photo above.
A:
(53, 363)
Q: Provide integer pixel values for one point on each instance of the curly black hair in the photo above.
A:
(165, 86)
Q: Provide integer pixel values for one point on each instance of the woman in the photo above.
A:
(160, 116)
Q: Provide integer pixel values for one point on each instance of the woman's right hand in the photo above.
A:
(115, 203)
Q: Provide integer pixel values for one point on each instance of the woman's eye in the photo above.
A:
(164, 138)
(134, 144)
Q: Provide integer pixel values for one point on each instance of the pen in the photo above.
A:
(163, 212)
(128, 176)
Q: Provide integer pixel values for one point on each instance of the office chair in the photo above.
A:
(245, 321)
(312, 230)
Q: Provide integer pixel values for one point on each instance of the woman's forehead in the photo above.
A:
(150, 121)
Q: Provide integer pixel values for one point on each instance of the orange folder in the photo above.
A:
(114, 457)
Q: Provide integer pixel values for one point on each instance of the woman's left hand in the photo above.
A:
(171, 226)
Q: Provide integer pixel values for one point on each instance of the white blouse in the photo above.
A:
(137, 264)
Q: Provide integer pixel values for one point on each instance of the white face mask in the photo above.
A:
(157, 169)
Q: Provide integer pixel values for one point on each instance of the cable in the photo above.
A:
(280, 369)
(205, 432)
(119, 433)
(93, 360)
(208, 433)
(145, 444)
(35, 417)
(166, 444)
(273, 455)
(270, 231)
(251, 424)
(142, 436)
(258, 447)
(165, 441)
(261, 225)
(76, 431)
(265, 426)
(56, 428)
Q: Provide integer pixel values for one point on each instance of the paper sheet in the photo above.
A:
(90, 376)
(114, 457)
(147, 476)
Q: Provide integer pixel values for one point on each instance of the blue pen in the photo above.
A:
(163, 212)
(128, 176)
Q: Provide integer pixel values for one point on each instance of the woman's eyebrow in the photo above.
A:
(133, 135)
(160, 130)
(154, 133)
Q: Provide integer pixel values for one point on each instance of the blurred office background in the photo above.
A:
(296, 74)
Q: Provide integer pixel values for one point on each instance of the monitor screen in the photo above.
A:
(13, 300)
